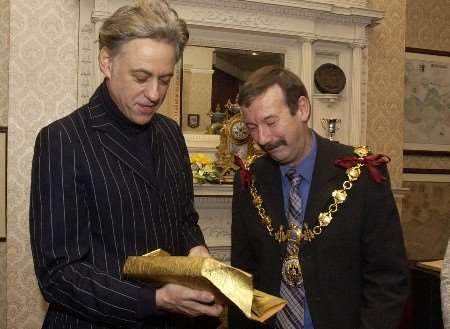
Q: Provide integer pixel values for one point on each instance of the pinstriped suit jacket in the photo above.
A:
(93, 204)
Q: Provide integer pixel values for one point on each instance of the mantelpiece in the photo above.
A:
(213, 203)
(213, 190)
(308, 33)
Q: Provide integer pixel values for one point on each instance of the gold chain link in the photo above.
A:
(325, 218)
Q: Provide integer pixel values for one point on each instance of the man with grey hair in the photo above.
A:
(113, 179)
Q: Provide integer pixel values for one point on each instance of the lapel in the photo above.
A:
(326, 178)
(114, 140)
(268, 182)
(162, 156)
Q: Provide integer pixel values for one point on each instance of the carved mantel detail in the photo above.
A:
(307, 32)
(262, 13)
(294, 28)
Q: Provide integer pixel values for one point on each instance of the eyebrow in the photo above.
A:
(266, 120)
(150, 73)
(271, 116)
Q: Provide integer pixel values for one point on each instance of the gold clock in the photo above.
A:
(238, 131)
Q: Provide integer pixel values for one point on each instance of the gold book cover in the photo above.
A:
(227, 283)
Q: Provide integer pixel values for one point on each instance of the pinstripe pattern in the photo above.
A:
(93, 203)
(292, 315)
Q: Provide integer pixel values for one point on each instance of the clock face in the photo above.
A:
(239, 131)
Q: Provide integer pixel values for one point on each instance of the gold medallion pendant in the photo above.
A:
(291, 271)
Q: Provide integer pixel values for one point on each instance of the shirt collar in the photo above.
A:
(116, 114)
(306, 167)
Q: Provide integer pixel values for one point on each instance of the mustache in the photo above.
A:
(271, 146)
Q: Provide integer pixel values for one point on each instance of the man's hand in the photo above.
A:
(199, 251)
(179, 299)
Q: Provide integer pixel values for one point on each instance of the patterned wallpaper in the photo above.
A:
(426, 213)
(44, 57)
(386, 84)
(426, 209)
(2, 285)
(4, 61)
(197, 99)
(428, 24)
(418, 24)
(428, 28)
(42, 87)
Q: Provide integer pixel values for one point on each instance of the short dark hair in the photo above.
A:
(153, 19)
(264, 78)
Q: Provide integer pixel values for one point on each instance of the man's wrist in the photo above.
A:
(199, 251)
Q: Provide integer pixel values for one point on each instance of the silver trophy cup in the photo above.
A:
(331, 126)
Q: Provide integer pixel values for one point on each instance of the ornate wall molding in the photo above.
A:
(307, 33)
(213, 190)
(261, 13)
(171, 106)
(246, 40)
(215, 219)
(355, 118)
(198, 71)
(221, 253)
(364, 84)
(288, 27)
(85, 64)
(198, 143)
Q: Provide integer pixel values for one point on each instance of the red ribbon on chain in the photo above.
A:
(245, 174)
(371, 162)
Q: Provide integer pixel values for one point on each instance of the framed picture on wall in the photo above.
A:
(193, 120)
(427, 100)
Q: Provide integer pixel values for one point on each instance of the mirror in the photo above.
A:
(211, 79)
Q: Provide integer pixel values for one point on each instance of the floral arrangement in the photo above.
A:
(203, 169)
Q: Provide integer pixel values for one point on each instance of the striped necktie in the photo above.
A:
(292, 315)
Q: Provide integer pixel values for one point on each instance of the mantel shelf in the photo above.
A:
(213, 189)
(331, 98)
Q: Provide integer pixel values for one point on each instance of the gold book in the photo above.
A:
(224, 281)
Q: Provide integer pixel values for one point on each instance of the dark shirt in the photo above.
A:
(142, 142)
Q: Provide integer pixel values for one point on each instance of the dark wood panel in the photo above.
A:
(428, 51)
(427, 153)
(426, 171)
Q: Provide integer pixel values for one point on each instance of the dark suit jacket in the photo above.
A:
(355, 272)
(93, 204)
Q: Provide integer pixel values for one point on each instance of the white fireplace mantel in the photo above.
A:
(212, 190)
(308, 33)
(309, 19)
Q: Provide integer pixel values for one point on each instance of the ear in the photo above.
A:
(304, 108)
(105, 61)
